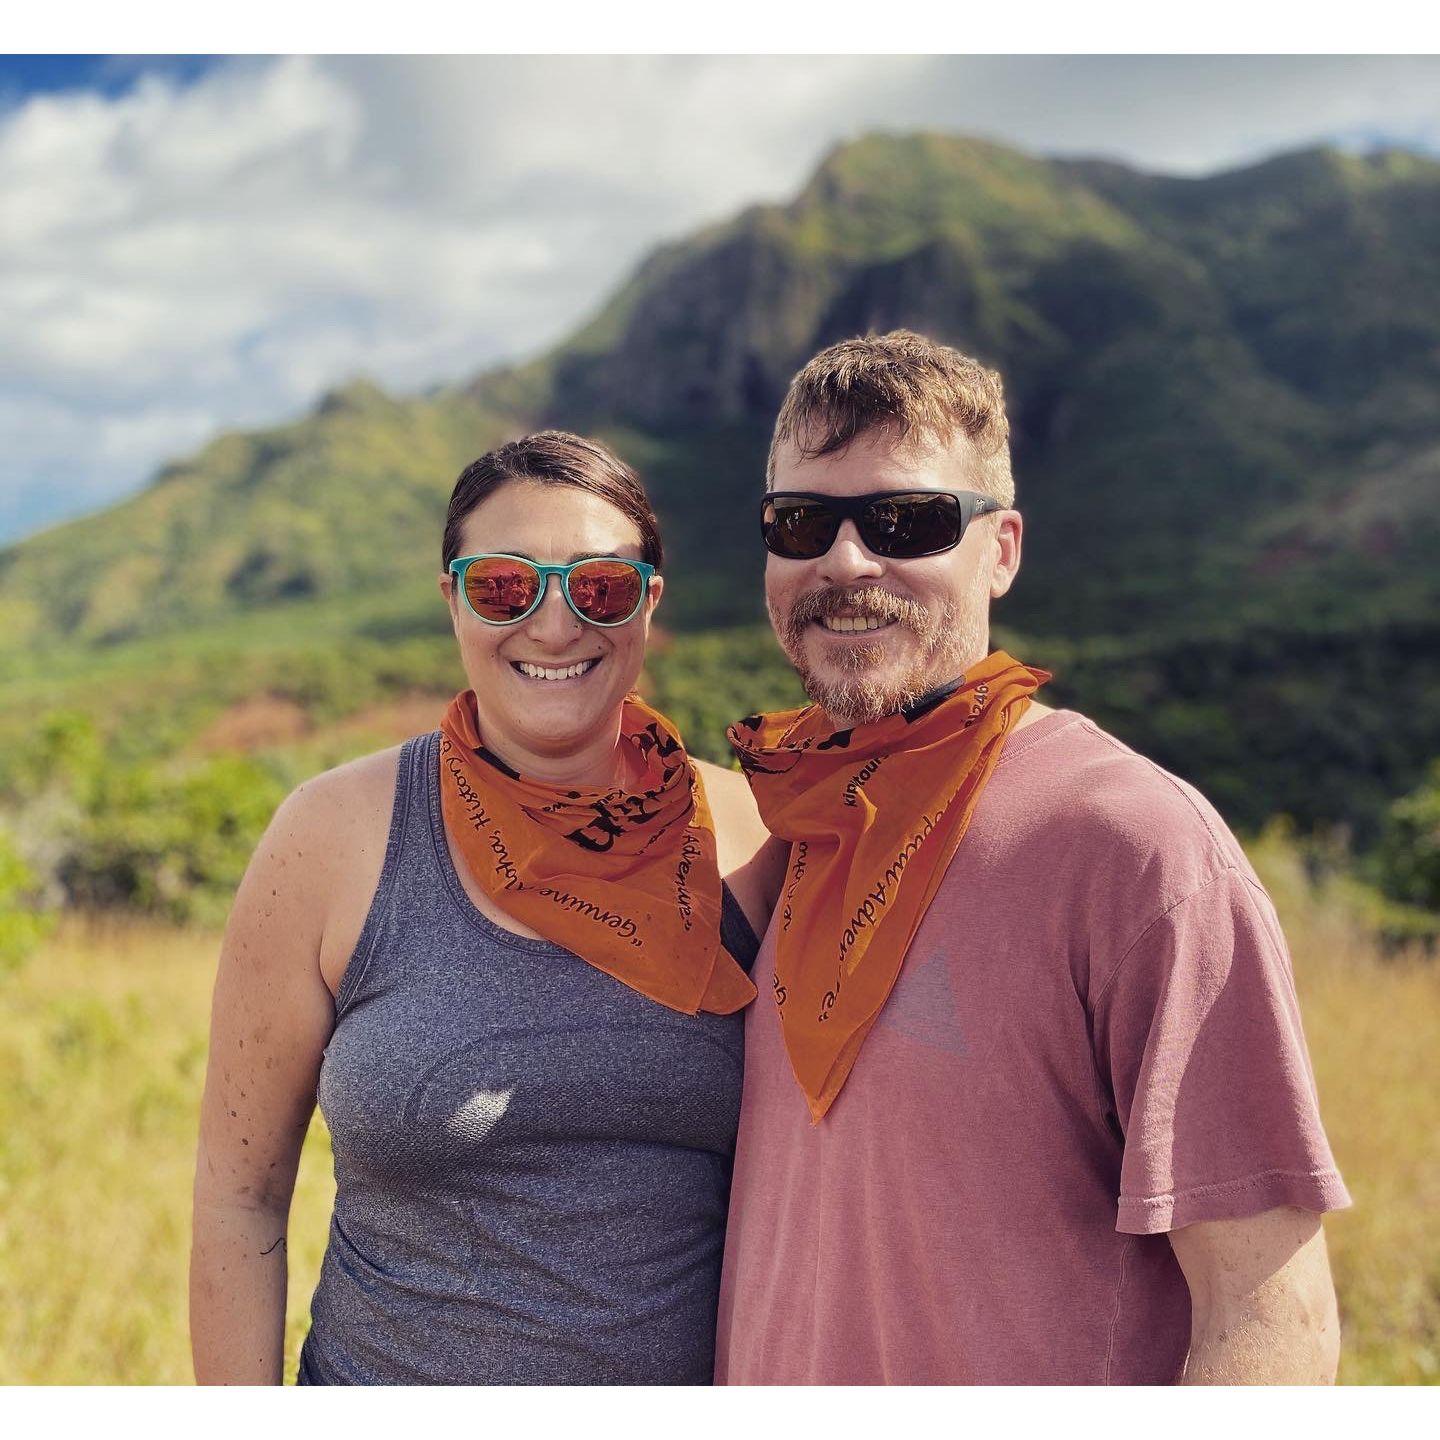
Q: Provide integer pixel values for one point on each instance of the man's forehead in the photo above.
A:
(877, 460)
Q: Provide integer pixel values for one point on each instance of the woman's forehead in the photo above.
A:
(527, 517)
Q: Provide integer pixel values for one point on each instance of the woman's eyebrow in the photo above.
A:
(574, 558)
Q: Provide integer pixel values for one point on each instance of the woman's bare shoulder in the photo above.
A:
(325, 849)
(350, 791)
(335, 813)
(357, 782)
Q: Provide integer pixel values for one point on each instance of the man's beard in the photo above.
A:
(950, 640)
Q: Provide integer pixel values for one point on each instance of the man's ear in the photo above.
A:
(447, 589)
(657, 585)
(1008, 534)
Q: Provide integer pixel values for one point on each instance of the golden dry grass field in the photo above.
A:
(102, 1053)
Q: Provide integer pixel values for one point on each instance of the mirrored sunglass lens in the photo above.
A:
(799, 529)
(501, 590)
(911, 524)
(606, 591)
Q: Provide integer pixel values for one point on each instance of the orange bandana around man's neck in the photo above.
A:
(626, 880)
(874, 815)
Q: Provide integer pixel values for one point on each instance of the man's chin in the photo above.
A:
(851, 700)
(859, 697)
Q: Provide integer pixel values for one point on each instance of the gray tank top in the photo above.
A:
(532, 1160)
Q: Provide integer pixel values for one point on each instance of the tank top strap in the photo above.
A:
(409, 866)
(736, 933)
(421, 760)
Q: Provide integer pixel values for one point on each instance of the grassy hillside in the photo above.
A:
(102, 1053)
(346, 502)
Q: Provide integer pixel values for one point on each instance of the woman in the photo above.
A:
(504, 942)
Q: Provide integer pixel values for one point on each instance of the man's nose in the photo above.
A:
(553, 622)
(847, 559)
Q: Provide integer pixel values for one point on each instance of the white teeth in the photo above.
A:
(846, 626)
(547, 672)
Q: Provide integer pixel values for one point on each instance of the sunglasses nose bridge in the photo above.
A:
(553, 602)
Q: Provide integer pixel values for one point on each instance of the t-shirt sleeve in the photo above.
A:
(1197, 1033)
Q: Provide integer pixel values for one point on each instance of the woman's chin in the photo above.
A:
(555, 717)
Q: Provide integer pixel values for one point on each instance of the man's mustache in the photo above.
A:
(869, 602)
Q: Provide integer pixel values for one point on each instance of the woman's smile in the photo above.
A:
(554, 674)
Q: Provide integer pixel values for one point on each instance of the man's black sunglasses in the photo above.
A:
(895, 524)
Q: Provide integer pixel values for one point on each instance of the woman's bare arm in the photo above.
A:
(271, 1019)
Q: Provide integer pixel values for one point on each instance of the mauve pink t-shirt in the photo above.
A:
(1094, 1039)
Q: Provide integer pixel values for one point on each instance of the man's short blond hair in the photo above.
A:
(907, 386)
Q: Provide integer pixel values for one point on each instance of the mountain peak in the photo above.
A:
(356, 395)
(886, 191)
(868, 158)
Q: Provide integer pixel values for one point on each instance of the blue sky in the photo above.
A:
(189, 244)
(24, 75)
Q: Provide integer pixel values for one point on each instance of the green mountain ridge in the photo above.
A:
(1222, 395)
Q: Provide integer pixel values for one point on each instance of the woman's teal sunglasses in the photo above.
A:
(504, 589)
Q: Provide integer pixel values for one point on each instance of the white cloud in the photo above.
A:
(183, 257)
(1188, 114)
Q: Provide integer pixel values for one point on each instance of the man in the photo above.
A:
(1030, 1102)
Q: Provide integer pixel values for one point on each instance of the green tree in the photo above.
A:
(1409, 850)
(62, 752)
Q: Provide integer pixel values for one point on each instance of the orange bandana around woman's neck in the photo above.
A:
(627, 880)
(874, 815)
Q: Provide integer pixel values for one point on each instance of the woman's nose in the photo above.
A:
(552, 619)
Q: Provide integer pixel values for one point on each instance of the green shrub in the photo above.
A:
(21, 925)
(1408, 856)
(706, 682)
(170, 844)
(62, 751)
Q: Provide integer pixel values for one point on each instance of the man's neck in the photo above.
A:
(1034, 711)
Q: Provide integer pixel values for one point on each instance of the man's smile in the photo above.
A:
(851, 625)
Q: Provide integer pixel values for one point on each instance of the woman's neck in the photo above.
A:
(603, 763)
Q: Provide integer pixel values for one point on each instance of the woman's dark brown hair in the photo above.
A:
(554, 457)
